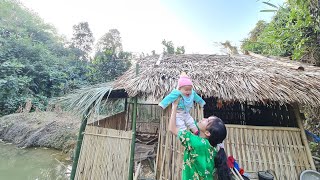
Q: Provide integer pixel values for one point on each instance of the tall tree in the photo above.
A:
(168, 47)
(110, 41)
(257, 30)
(82, 40)
(107, 67)
(34, 62)
(110, 60)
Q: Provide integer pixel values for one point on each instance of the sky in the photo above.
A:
(143, 24)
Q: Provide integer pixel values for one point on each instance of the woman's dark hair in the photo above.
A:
(218, 133)
(217, 130)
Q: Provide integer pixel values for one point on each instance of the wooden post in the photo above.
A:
(303, 135)
(134, 118)
(79, 143)
(125, 104)
(127, 109)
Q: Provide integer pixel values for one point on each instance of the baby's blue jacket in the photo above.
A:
(185, 103)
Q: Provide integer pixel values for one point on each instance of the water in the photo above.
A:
(31, 164)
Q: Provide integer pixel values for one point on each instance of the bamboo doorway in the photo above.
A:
(105, 154)
(170, 151)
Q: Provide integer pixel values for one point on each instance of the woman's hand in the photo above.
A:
(175, 103)
(172, 122)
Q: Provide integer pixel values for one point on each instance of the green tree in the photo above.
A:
(260, 26)
(180, 50)
(107, 67)
(82, 40)
(110, 60)
(110, 41)
(34, 62)
(170, 49)
(293, 32)
(253, 37)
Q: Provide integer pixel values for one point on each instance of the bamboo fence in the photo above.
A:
(105, 154)
(170, 152)
(258, 148)
(283, 150)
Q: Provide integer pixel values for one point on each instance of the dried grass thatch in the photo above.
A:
(231, 78)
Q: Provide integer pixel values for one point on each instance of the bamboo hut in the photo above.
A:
(257, 97)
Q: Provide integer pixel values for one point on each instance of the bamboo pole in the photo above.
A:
(79, 143)
(137, 172)
(133, 142)
(316, 158)
(164, 154)
(126, 109)
(159, 144)
(303, 136)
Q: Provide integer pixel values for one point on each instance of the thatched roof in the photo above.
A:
(230, 78)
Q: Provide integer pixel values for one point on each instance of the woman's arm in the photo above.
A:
(172, 121)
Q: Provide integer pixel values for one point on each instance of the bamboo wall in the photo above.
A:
(262, 148)
(170, 151)
(148, 118)
(105, 154)
(281, 149)
(117, 121)
(146, 127)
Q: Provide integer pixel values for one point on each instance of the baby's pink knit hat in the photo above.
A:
(184, 80)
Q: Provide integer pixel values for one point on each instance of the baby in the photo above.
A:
(188, 96)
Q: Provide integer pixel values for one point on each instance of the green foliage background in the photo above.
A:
(38, 64)
(293, 31)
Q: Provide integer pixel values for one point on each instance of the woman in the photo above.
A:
(200, 155)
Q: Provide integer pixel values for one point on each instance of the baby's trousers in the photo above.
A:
(184, 120)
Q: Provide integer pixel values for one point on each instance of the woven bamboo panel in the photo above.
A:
(105, 154)
(147, 127)
(148, 118)
(116, 121)
(258, 148)
(280, 149)
(170, 150)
